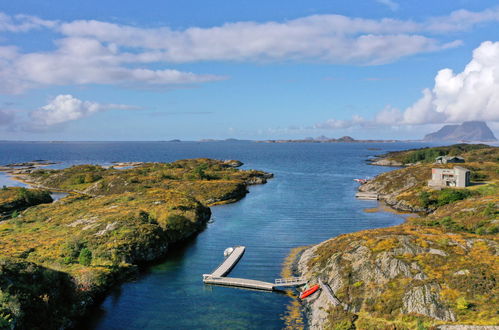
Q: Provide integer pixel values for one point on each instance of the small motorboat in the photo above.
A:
(228, 251)
(309, 291)
(361, 181)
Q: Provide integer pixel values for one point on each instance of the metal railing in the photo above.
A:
(290, 280)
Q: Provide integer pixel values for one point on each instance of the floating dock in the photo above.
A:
(367, 195)
(229, 262)
(218, 276)
(240, 283)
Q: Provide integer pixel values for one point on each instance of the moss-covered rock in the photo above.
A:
(397, 276)
(113, 221)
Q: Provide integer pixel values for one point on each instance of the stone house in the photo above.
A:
(450, 177)
(448, 159)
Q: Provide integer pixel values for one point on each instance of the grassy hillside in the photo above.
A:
(407, 188)
(438, 268)
(112, 221)
(470, 152)
(15, 199)
(406, 277)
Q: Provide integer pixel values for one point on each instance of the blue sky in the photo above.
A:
(160, 70)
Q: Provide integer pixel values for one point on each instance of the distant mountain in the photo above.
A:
(467, 131)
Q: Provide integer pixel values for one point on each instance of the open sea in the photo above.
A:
(310, 199)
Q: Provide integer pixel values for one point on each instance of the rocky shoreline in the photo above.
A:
(112, 222)
(415, 275)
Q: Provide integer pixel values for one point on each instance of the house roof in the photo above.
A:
(449, 157)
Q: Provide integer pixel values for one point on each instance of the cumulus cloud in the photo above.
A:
(83, 61)
(64, 108)
(472, 94)
(339, 124)
(330, 38)
(97, 52)
(23, 23)
(461, 20)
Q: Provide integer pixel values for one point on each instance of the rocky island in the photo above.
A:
(467, 131)
(324, 139)
(58, 259)
(434, 271)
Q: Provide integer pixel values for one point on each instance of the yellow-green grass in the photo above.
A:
(465, 269)
(112, 221)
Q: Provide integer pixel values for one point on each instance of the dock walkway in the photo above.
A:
(229, 263)
(367, 195)
(218, 276)
(240, 282)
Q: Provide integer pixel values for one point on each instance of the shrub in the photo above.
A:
(477, 176)
(5, 321)
(85, 257)
(72, 250)
(490, 210)
(447, 196)
(91, 177)
(424, 199)
(33, 197)
(199, 171)
(79, 179)
(424, 155)
(462, 303)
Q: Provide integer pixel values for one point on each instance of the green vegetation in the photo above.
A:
(112, 221)
(442, 197)
(438, 268)
(407, 188)
(15, 199)
(85, 257)
(470, 152)
(460, 272)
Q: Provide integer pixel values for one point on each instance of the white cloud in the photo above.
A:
(472, 94)
(64, 108)
(392, 5)
(388, 116)
(83, 61)
(340, 124)
(95, 52)
(23, 23)
(330, 38)
(461, 20)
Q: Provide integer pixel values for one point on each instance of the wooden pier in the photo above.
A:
(218, 276)
(229, 263)
(239, 282)
(367, 195)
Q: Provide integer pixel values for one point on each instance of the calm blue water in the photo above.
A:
(311, 199)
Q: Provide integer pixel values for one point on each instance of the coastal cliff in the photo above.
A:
(402, 277)
(436, 269)
(58, 259)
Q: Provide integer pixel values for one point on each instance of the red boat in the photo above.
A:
(308, 292)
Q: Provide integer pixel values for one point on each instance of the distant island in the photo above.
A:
(467, 131)
(324, 139)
